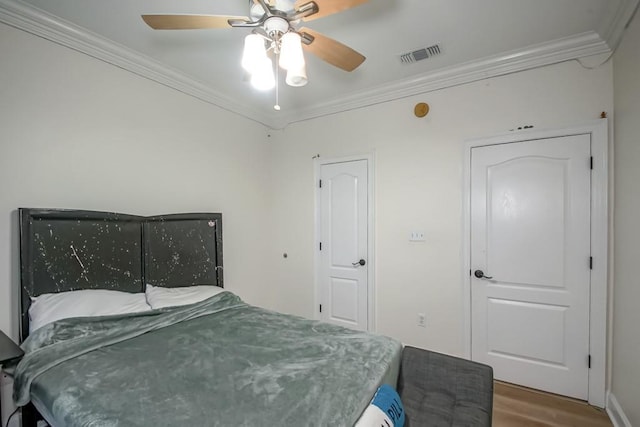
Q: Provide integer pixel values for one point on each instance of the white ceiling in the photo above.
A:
(478, 38)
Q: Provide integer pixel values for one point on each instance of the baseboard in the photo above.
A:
(616, 414)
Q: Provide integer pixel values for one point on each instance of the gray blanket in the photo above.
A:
(220, 362)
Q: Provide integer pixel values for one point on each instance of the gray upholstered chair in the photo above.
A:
(439, 390)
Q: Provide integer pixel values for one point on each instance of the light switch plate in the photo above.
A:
(416, 236)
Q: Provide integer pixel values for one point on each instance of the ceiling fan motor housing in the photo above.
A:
(275, 25)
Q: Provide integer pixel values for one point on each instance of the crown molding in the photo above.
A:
(38, 22)
(579, 46)
(615, 30)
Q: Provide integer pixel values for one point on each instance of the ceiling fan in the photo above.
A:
(274, 24)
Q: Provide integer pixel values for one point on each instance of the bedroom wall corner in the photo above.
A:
(625, 382)
(418, 186)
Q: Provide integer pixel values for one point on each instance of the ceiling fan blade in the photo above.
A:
(327, 7)
(334, 52)
(189, 22)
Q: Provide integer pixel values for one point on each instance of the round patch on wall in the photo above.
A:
(421, 109)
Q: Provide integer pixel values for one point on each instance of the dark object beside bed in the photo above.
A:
(439, 390)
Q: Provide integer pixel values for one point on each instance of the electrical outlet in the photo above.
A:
(421, 320)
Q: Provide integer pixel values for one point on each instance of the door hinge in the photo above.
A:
(590, 263)
(589, 361)
(591, 162)
(320, 308)
(321, 182)
(320, 245)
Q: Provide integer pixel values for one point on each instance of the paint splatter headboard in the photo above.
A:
(64, 250)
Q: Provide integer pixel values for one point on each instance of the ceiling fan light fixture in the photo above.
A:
(262, 77)
(291, 56)
(274, 26)
(297, 77)
(254, 52)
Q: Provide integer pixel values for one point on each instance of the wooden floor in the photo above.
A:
(519, 406)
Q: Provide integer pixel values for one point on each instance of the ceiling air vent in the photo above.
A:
(420, 54)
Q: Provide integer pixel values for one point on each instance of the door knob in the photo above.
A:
(480, 275)
(361, 262)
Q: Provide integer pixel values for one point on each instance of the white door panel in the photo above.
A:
(530, 232)
(343, 296)
(524, 196)
(343, 224)
(524, 342)
(344, 237)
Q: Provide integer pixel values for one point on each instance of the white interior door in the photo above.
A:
(344, 244)
(530, 238)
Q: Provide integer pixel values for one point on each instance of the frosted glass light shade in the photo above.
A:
(262, 77)
(254, 52)
(297, 77)
(291, 56)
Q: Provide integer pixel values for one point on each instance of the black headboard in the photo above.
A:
(64, 250)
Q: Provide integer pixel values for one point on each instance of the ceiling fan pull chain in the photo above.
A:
(277, 105)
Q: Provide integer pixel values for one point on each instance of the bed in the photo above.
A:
(219, 361)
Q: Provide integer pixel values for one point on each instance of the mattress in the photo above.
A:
(220, 362)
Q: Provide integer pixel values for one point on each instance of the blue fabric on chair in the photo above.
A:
(385, 409)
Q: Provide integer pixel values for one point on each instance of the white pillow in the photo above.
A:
(158, 297)
(48, 308)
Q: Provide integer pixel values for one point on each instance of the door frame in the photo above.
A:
(318, 163)
(599, 241)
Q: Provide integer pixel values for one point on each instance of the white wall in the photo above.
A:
(418, 180)
(626, 316)
(78, 133)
